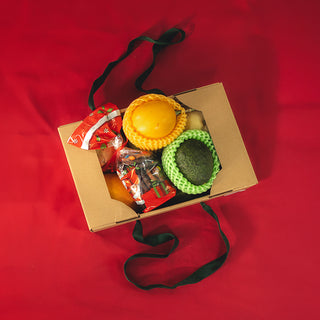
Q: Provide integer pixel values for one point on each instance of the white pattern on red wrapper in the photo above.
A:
(96, 130)
(100, 131)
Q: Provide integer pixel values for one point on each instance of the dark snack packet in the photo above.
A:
(141, 174)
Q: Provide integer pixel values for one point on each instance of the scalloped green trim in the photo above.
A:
(172, 171)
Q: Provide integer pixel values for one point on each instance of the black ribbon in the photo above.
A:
(172, 36)
(155, 240)
(166, 39)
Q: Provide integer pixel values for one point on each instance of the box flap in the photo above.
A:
(99, 208)
(237, 172)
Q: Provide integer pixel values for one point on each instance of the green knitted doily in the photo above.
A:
(172, 171)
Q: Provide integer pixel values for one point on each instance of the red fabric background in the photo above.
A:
(267, 55)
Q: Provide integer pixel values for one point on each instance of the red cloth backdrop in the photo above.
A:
(266, 53)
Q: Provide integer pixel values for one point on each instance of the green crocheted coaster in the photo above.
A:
(172, 171)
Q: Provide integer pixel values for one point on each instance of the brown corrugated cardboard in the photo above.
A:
(236, 174)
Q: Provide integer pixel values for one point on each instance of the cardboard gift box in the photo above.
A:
(236, 174)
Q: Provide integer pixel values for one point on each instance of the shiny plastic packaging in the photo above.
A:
(100, 131)
(141, 174)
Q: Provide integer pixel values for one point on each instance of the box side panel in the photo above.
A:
(99, 208)
(237, 171)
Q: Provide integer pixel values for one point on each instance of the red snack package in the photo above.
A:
(142, 176)
(100, 131)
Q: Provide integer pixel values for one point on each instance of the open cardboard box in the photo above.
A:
(237, 174)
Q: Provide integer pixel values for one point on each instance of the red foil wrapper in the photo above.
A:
(100, 131)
